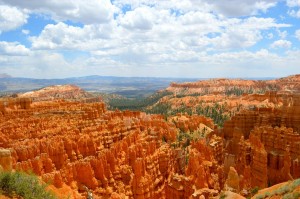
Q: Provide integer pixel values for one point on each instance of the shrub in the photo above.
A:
(260, 197)
(222, 196)
(21, 184)
(295, 184)
(254, 190)
(282, 190)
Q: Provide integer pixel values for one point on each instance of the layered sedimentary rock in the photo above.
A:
(215, 86)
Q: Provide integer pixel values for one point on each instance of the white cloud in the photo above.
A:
(25, 31)
(231, 8)
(63, 36)
(159, 37)
(236, 8)
(87, 12)
(38, 64)
(293, 3)
(179, 6)
(13, 49)
(282, 34)
(11, 18)
(281, 44)
(243, 33)
(297, 34)
(141, 18)
(157, 32)
(294, 13)
(270, 36)
(48, 64)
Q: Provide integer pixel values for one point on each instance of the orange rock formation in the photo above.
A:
(78, 145)
(265, 142)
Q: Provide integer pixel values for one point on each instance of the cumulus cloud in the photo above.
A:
(156, 32)
(141, 18)
(294, 13)
(25, 31)
(139, 36)
(236, 8)
(11, 18)
(37, 64)
(294, 8)
(87, 12)
(13, 49)
(282, 34)
(293, 3)
(229, 8)
(226, 64)
(243, 33)
(281, 44)
(63, 36)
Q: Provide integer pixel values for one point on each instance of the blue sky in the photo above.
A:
(159, 38)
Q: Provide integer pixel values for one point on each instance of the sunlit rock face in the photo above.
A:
(265, 142)
(5, 160)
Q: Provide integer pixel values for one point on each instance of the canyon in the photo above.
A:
(71, 140)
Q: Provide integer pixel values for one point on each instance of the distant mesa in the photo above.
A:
(5, 75)
(222, 85)
(70, 92)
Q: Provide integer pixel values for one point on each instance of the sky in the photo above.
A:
(157, 38)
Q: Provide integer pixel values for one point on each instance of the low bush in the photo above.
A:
(24, 185)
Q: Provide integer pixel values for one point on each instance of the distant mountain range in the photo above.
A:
(127, 86)
(106, 84)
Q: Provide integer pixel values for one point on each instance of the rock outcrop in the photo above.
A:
(69, 92)
(5, 160)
